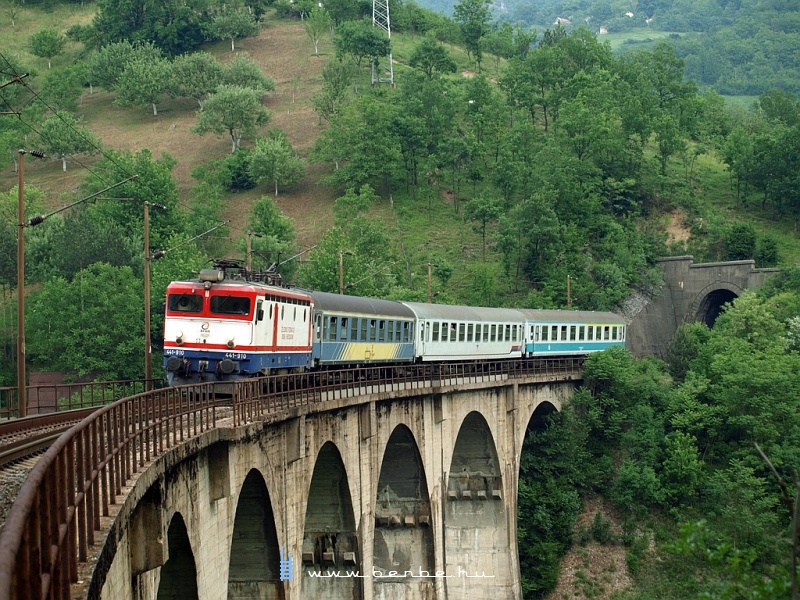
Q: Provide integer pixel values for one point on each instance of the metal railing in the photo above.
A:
(68, 396)
(57, 512)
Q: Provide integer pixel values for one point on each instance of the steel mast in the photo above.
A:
(382, 68)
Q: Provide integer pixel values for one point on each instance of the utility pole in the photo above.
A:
(429, 280)
(569, 294)
(341, 273)
(22, 394)
(148, 362)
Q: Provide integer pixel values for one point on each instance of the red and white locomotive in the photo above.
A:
(216, 327)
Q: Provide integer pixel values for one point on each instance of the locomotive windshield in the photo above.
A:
(189, 303)
(230, 305)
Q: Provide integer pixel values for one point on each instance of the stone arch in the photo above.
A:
(475, 521)
(403, 536)
(540, 410)
(254, 567)
(707, 305)
(178, 576)
(330, 540)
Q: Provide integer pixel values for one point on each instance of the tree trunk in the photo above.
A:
(276, 187)
(64, 162)
(48, 64)
(233, 49)
(155, 110)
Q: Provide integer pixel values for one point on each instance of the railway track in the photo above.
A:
(28, 436)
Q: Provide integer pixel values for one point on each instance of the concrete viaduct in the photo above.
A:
(415, 490)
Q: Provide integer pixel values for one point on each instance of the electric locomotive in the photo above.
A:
(218, 328)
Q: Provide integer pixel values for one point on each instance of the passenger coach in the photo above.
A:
(350, 330)
(563, 333)
(466, 332)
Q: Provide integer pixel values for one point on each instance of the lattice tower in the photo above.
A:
(382, 68)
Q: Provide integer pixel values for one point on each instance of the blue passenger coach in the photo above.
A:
(561, 333)
(353, 330)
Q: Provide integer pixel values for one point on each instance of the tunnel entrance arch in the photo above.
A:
(710, 302)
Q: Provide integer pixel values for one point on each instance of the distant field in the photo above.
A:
(740, 102)
(618, 40)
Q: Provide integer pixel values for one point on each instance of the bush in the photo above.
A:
(601, 529)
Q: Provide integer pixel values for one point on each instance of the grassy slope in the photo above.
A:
(284, 52)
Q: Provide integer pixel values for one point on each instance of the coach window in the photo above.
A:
(545, 332)
(353, 329)
(622, 333)
(382, 331)
(581, 333)
(613, 333)
(514, 333)
(535, 333)
(470, 332)
(494, 332)
(344, 329)
(436, 331)
(445, 327)
(605, 332)
(462, 332)
(363, 327)
(589, 333)
(572, 331)
(334, 328)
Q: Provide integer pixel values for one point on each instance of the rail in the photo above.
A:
(57, 512)
(49, 398)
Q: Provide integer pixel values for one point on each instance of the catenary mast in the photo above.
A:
(382, 68)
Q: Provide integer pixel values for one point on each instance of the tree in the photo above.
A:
(317, 23)
(47, 43)
(430, 56)
(143, 82)
(274, 237)
(360, 40)
(233, 23)
(274, 160)
(108, 64)
(64, 246)
(154, 183)
(90, 325)
(481, 211)
(473, 17)
(196, 75)
(63, 135)
(235, 110)
(244, 72)
(337, 75)
(174, 26)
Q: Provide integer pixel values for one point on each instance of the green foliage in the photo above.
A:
(234, 110)
(740, 242)
(273, 237)
(47, 43)
(231, 23)
(431, 57)
(360, 41)
(245, 72)
(548, 501)
(63, 135)
(196, 75)
(90, 325)
(174, 26)
(317, 23)
(274, 160)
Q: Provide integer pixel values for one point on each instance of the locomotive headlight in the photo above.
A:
(179, 338)
(231, 344)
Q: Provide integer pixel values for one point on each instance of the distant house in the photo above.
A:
(603, 30)
(629, 14)
(562, 21)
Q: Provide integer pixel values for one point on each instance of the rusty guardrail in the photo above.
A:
(56, 397)
(54, 519)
